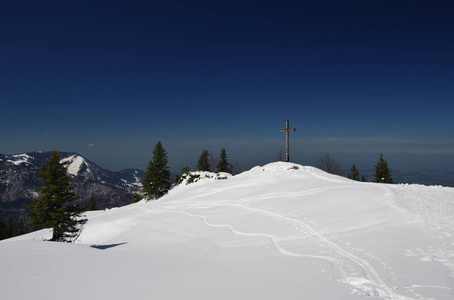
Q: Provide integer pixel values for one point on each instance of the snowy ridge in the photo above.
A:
(18, 159)
(281, 231)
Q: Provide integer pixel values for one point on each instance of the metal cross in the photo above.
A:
(287, 137)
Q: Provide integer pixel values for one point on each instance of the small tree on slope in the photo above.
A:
(53, 208)
(203, 164)
(382, 171)
(156, 182)
(223, 164)
(91, 205)
(354, 173)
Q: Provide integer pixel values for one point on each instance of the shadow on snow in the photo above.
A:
(104, 247)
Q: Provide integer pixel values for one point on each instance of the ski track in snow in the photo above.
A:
(371, 284)
(336, 266)
(400, 243)
(380, 289)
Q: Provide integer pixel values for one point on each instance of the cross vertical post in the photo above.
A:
(287, 139)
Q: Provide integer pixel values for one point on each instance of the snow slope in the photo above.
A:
(281, 231)
(75, 163)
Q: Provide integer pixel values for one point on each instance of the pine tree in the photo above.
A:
(223, 165)
(14, 227)
(156, 182)
(382, 171)
(91, 205)
(54, 208)
(354, 174)
(10, 228)
(203, 164)
(135, 197)
(185, 170)
(4, 233)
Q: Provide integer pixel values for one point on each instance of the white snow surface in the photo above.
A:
(75, 163)
(281, 231)
(20, 159)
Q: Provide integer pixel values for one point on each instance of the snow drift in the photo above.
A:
(281, 231)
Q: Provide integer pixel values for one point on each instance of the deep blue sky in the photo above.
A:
(108, 79)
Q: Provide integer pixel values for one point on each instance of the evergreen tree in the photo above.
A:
(354, 174)
(53, 207)
(363, 178)
(382, 171)
(4, 232)
(135, 197)
(203, 164)
(185, 170)
(10, 228)
(156, 182)
(223, 165)
(14, 227)
(91, 205)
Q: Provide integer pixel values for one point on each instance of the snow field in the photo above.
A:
(281, 231)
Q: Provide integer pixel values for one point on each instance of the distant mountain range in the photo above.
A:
(19, 178)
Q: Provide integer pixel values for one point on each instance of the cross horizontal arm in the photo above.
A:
(287, 130)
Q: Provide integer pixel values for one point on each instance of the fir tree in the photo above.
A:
(53, 207)
(135, 197)
(363, 178)
(203, 164)
(382, 171)
(91, 205)
(4, 232)
(185, 170)
(156, 182)
(10, 228)
(354, 174)
(223, 165)
(184, 173)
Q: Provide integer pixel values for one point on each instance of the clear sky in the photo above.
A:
(108, 79)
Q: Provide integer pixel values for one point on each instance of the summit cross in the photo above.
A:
(287, 138)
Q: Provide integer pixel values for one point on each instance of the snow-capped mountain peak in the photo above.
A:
(76, 164)
(19, 178)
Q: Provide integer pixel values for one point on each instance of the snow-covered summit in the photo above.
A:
(76, 164)
(279, 231)
(292, 169)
